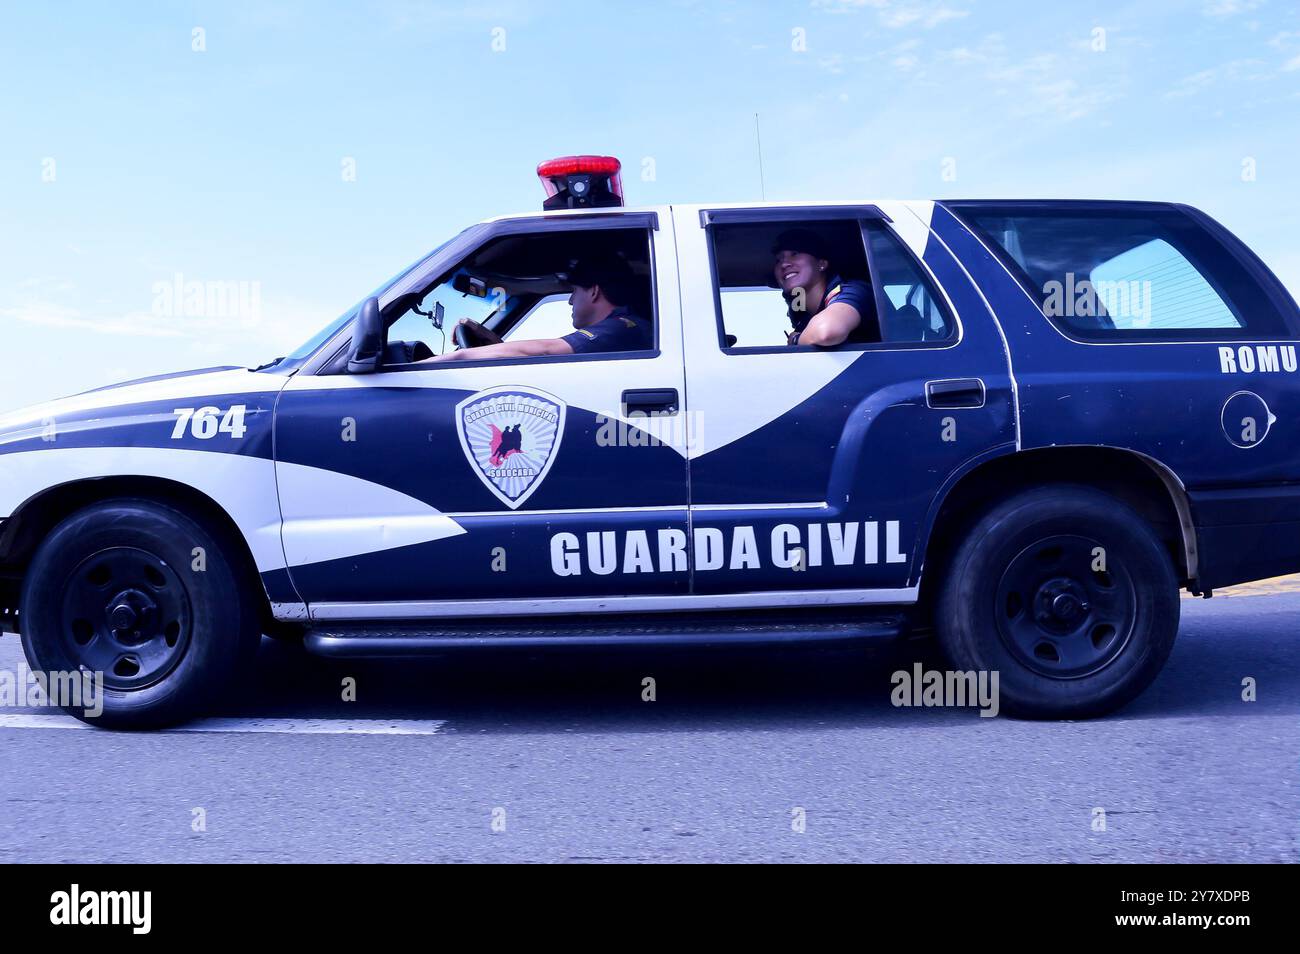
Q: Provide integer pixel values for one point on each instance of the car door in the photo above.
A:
(816, 473)
(521, 485)
(1149, 327)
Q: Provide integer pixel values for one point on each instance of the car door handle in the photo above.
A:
(650, 401)
(957, 392)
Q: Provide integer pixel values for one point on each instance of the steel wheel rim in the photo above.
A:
(1060, 617)
(125, 614)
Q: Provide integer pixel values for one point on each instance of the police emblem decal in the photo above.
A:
(510, 436)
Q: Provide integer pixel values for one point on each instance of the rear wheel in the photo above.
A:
(145, 598)
(1068, 594)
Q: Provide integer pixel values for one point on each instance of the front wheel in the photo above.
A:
(1068, 594)
(143, 600)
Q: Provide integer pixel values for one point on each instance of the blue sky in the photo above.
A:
(128, 157)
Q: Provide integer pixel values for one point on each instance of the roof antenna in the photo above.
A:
(758, 137)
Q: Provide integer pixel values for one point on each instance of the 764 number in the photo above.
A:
(207, 422)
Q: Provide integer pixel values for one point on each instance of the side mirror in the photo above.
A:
(367, 340)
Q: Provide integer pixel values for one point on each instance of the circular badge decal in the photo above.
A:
(1246, 419)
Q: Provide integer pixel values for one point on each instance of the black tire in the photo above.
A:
(1023, 587)
(187, 632)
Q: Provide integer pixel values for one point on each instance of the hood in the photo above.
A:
(159, 377)
(182, 385)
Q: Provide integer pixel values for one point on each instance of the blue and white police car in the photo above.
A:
(1049, 416)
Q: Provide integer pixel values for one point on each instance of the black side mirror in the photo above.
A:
(367, 340)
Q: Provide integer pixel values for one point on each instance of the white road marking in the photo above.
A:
(32, 720)
(1269, 587)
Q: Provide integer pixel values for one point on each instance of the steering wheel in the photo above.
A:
(468, 333)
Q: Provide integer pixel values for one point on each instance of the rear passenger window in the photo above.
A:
(1105, 274)
(862, 263)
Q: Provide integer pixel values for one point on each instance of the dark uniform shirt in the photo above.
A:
(620, 330)
(852, 292)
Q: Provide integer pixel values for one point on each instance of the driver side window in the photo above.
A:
(414, 327)
(518, 287)
(551, 317)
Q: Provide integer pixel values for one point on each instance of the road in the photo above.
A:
(560, 751)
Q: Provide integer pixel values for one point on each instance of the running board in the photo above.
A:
(420, 638)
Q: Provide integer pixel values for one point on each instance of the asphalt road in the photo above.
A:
(562, 749)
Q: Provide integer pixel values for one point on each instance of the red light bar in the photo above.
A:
(576, 182)
(567, 165)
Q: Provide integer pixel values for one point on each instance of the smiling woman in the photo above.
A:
(768, 289)
(838, 283)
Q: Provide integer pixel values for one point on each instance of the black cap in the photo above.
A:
(611, 273)
(596, 270)
(800, 240)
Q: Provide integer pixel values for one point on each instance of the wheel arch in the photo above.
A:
(1137, 479)
(32, 520)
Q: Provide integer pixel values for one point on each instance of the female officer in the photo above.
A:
(824, 310)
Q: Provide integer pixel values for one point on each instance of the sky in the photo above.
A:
(293, 156)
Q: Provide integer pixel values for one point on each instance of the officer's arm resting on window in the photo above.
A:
(831, 326)
(508, 349)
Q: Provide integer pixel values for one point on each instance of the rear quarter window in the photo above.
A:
(1127, 273)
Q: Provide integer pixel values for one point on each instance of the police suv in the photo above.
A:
(1052, 417)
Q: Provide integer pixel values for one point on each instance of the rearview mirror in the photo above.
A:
(469, 285)
(367, 339)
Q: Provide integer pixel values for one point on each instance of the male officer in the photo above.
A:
(602, 290)
(824, 310)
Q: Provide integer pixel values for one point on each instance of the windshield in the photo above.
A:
(305, 349)
(308, 347)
